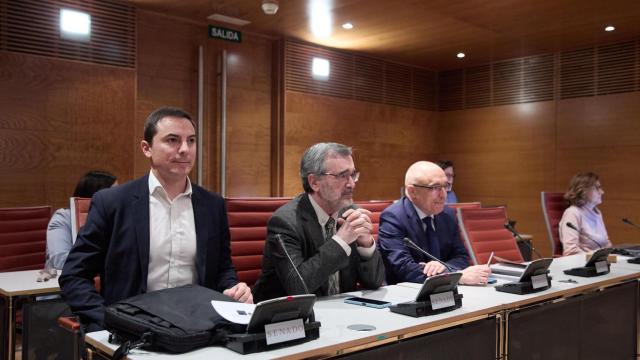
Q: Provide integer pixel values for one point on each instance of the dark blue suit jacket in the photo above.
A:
(401, 220)
(114, 243)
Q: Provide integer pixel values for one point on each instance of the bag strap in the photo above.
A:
(129, 345)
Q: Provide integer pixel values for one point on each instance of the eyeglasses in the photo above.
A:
(435, 187)
(345, 175)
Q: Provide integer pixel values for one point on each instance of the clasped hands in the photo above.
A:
(355, 225)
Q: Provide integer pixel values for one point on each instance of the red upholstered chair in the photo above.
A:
(483, 231)
(376, 207)
(475, 204)
(553, 206)
(79, 210)
(248, 219)
(23, 237)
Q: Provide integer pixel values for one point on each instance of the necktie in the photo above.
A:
(334, 282)
(433, 245)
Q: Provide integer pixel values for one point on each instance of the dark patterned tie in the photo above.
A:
(433, 246)
(334, 282)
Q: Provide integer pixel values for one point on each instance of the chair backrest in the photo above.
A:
(23, 237)
(248, 219)
(79, 209)
(553, 206)
(475, 204)
(376, 207)
(483, 231)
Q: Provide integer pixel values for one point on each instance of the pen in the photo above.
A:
(490, 258)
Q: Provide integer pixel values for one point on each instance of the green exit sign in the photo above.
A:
(218, 32)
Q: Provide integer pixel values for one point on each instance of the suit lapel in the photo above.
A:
(309, 217)
(140, 205)
(415, 223)
(200, 217)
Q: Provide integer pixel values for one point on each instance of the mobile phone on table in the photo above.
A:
(492, 280)
(378, 304)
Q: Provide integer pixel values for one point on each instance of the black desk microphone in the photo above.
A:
(413, 245)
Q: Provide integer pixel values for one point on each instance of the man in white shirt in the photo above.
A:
(159, 231)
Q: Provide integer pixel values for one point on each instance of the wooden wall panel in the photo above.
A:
(168, 75)
(249, 117)
(60, 119)
(507, 155)
(386, 139)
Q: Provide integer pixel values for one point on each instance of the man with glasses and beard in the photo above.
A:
(328, 239)
(421, 216)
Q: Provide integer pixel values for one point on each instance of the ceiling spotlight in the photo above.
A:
(270, 7)
(460, 55)
(609, 28)
(347, 26)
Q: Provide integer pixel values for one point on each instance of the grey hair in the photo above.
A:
(314, 158)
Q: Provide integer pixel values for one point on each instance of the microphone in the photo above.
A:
(570, 225)
(411, 244)
(629, 222)
(312, 315)
(509, 226)
(284, 248)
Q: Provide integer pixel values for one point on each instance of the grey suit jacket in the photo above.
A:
(297, 225)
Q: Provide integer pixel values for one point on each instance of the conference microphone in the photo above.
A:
(312, 315)
(509, 226)
(570, 225)
(629, 222)
(411, 244)
(284, 248)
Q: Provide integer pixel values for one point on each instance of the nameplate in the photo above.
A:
(601, 266)
(442, 300)
(539, 281)
(284, 331)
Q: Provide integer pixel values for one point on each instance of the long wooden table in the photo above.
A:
(394, 333)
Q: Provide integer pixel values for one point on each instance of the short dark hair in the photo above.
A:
(579, 187)
(93, 181)
(444, 164)
(151, 124)
(314, 158)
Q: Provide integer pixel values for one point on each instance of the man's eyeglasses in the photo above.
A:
(345, 175)
(435, 187)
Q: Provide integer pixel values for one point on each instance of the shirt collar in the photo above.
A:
(322, 215)
(422, 216)
(154, 186)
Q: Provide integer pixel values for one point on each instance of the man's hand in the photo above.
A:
(355, 224)
(240, 292)
(432, 268)
(475, 275)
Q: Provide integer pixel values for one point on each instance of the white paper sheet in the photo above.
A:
(236, 312)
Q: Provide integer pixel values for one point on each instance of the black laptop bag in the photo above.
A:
(173, 320)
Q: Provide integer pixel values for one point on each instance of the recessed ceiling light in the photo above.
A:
(228, 19)
(75, 25)
(347, 26)
(320, 68)
(609, 28)
(460, 55)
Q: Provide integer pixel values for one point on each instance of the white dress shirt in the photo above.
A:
(172, 238)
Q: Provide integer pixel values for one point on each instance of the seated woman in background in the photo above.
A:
(584, 195)
(59, 239)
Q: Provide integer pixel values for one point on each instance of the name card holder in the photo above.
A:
(535, 278)
(597, 265)
(438, 294)
(277, 323)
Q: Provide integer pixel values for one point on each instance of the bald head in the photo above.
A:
(419, 175)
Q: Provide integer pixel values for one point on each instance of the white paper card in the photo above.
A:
(236, 312)
(442, 300)
(601, 266)
(284, 331)
(539, 281)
